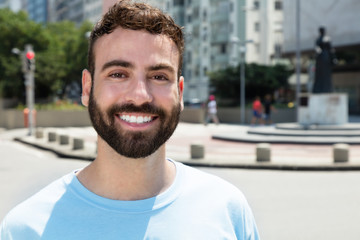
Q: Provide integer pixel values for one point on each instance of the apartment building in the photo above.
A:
(264, 27)
(38, 10)
(214, 31)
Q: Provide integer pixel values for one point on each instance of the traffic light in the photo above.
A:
(30, 60)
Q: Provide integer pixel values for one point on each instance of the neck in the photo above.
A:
(117, 177)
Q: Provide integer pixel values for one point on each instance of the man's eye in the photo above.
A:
(117, 75)
(160, 77)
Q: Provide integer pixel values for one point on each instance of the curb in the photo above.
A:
(229, 138)
(204, 163)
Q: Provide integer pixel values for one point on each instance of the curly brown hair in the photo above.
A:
(136, 16)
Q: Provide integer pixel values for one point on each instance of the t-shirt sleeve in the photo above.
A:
(243, 219)
(251, 231)
(4, 231)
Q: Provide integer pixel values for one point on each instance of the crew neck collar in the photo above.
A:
(137, 206)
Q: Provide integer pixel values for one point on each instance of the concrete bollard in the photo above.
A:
(197, 150)
(78, 143)
(263, 152)
(341, 152)
(52, 136)
(64, 139)
(39, 133)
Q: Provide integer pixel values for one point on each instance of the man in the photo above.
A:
(133, 91)
(212, 111)
(268, 108)
(257, 108)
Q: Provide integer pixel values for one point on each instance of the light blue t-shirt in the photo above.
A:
(196, 206)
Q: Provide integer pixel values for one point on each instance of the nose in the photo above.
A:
(139, 92)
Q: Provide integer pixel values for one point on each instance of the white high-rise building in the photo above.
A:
(210, 29)
(264, 26)
(76, 10)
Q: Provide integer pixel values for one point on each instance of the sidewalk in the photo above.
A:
(218, 153)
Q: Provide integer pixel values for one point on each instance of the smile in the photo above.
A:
(135, 119)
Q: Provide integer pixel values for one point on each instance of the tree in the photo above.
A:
(16, 31)
(60, 48)
(65, 58)
(260, 80)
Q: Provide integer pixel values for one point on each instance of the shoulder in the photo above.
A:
(211, 185)
(226, 201)
(21, 219)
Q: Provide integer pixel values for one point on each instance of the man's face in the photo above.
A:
(135, 98)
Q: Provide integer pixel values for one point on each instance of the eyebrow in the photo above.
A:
(126, 64)
(117, 63)
(161, 66)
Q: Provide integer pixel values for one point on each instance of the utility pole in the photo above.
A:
(28, 57)
(241, 46)
(298, 59)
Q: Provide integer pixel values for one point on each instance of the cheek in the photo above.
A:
(107, 94)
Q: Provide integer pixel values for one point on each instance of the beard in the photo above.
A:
(133, 144)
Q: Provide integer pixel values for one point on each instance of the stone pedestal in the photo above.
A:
(323, 109)
(197, 150)
(263, 152)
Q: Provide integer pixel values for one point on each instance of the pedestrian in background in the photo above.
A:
(134, 93)
(268, 108)
(212, 111)
(257, 109)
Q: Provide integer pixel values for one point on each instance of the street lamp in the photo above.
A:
(242, 49)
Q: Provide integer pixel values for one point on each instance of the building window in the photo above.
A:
(189, 18)
(223, 48)
(278, 5)
(256, 5)
(204, 34)
(278, 50)
(195, 13)
(197, 71)
(189, 73)
(257, 48)
(257, 27)
(189, 57)
(231, 27)
(179, 3)
(205, 70)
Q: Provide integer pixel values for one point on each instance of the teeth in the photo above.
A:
(134, 119)
(140, 120)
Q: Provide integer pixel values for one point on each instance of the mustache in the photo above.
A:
(144, 108)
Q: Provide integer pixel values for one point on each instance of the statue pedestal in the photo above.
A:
(323, 109)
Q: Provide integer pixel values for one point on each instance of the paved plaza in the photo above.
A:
(218, 153)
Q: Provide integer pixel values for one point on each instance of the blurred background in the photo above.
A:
(227, 42)
(235, 51)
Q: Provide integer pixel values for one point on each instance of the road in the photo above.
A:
(286, 204)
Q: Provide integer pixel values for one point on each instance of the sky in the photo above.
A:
(15, 5)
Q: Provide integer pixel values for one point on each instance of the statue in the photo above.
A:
(325, 59)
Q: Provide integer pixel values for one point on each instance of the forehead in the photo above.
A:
(137, 46)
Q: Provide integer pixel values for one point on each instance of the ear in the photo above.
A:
(86, 87)
(181, 92)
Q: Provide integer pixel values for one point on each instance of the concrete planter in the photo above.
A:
(232, 115)
(11, 118)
